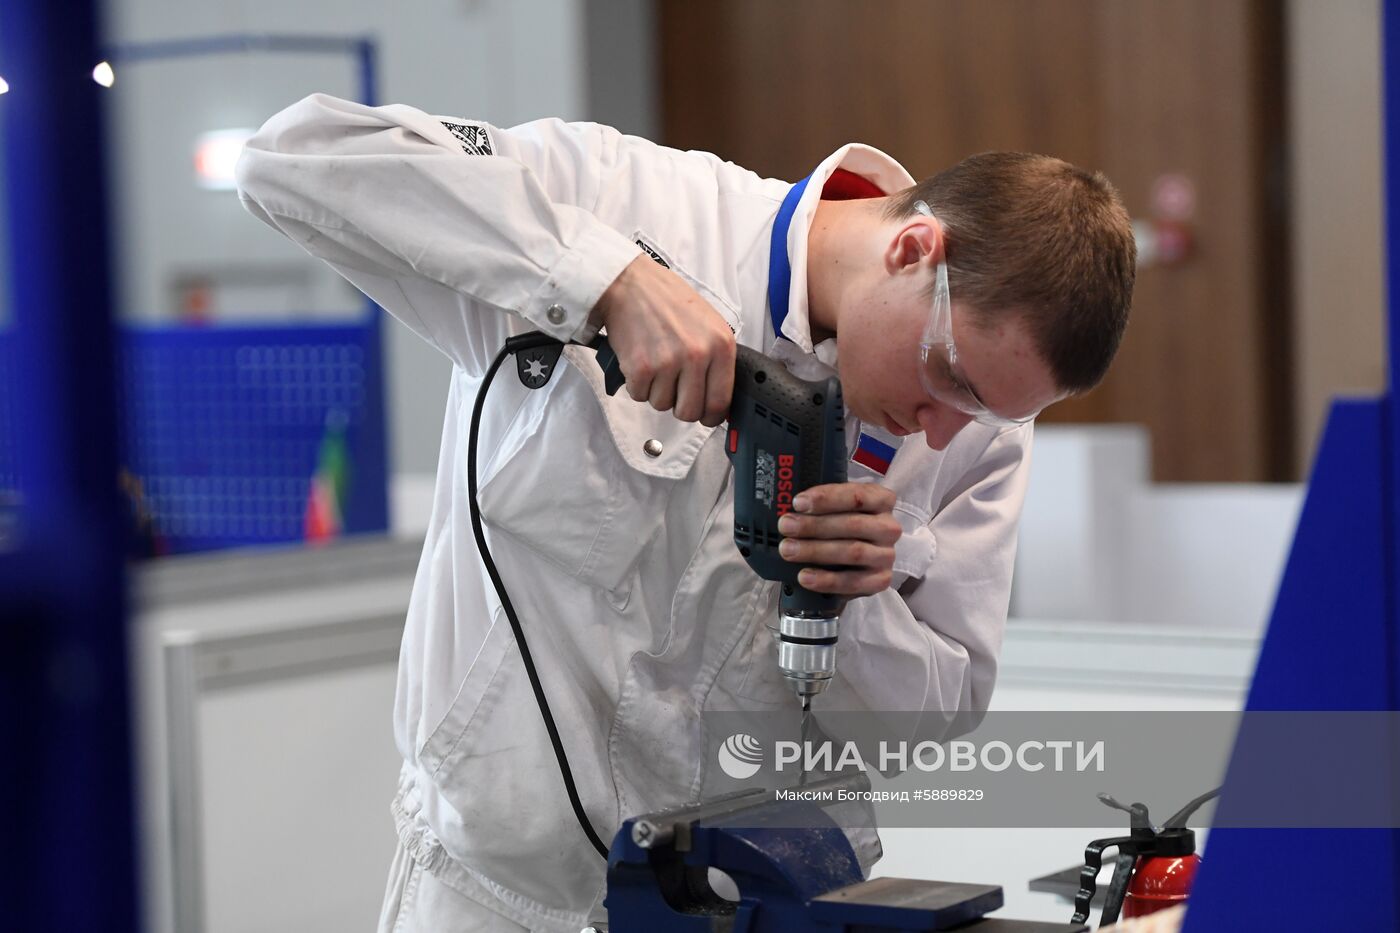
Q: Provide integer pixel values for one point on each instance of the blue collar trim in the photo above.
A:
(779, 263)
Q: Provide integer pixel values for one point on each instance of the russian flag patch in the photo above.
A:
(873, 453)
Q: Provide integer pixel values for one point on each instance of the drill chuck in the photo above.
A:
(806, 650)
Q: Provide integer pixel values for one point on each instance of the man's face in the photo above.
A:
(878, 353)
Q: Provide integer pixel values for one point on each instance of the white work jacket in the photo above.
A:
(610, 523)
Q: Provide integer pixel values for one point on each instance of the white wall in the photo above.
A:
(1100, 543)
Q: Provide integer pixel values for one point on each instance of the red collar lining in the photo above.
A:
(844, 185)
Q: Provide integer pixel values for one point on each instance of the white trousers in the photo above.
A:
(416, 901)
(430, 893)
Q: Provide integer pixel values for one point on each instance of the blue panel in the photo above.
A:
(224, 426)
(67, 862)
(1326, 649)
(68, 859)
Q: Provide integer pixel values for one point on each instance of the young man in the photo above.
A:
(611, 520)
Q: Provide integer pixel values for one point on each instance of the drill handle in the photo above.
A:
(607, 359)
(786, 435)
(613, 379)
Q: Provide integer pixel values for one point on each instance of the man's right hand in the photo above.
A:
(674, 349)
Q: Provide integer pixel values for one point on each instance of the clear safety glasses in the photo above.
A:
(939, 371)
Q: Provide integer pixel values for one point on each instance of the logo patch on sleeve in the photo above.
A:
(474, 139)
(650, 251)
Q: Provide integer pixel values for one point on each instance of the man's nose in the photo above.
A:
(941, 424)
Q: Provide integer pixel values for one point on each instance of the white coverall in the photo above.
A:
(622, 565)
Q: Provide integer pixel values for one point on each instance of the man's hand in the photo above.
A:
(675, 351)
(850, 525)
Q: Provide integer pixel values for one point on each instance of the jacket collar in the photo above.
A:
(868, 164)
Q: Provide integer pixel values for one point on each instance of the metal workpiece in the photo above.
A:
(647, 834)
(806, 646)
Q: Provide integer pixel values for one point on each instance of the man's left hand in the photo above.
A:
(850, 526)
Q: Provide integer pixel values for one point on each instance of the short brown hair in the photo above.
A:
(1035, 235)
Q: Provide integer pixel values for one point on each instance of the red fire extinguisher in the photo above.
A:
(1156, 865)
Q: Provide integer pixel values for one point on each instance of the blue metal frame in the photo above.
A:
(363, 48)
(1333, 643)
(66, 768)
(366, 509)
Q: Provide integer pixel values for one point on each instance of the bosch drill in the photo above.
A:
(785, 435)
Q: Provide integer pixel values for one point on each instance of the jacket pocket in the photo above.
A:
(470, 701)
(587, 488)
(588, 476)
(492, 761)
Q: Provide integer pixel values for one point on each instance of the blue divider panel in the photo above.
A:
(1328, 647)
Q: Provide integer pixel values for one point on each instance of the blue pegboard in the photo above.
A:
(223, 427)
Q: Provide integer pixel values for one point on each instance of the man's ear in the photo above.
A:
(918, 243)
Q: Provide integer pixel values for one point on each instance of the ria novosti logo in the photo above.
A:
(740, 756)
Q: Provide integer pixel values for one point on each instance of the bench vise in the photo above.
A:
(794, 868)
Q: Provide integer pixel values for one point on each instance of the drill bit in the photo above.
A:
(805, 736)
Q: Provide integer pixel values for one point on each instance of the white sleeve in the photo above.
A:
(933, 645)
(499, 217)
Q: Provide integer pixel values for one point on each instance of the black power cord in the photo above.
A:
(534, 375)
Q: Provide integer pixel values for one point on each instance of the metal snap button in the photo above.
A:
(555, 314)
(652, 448)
